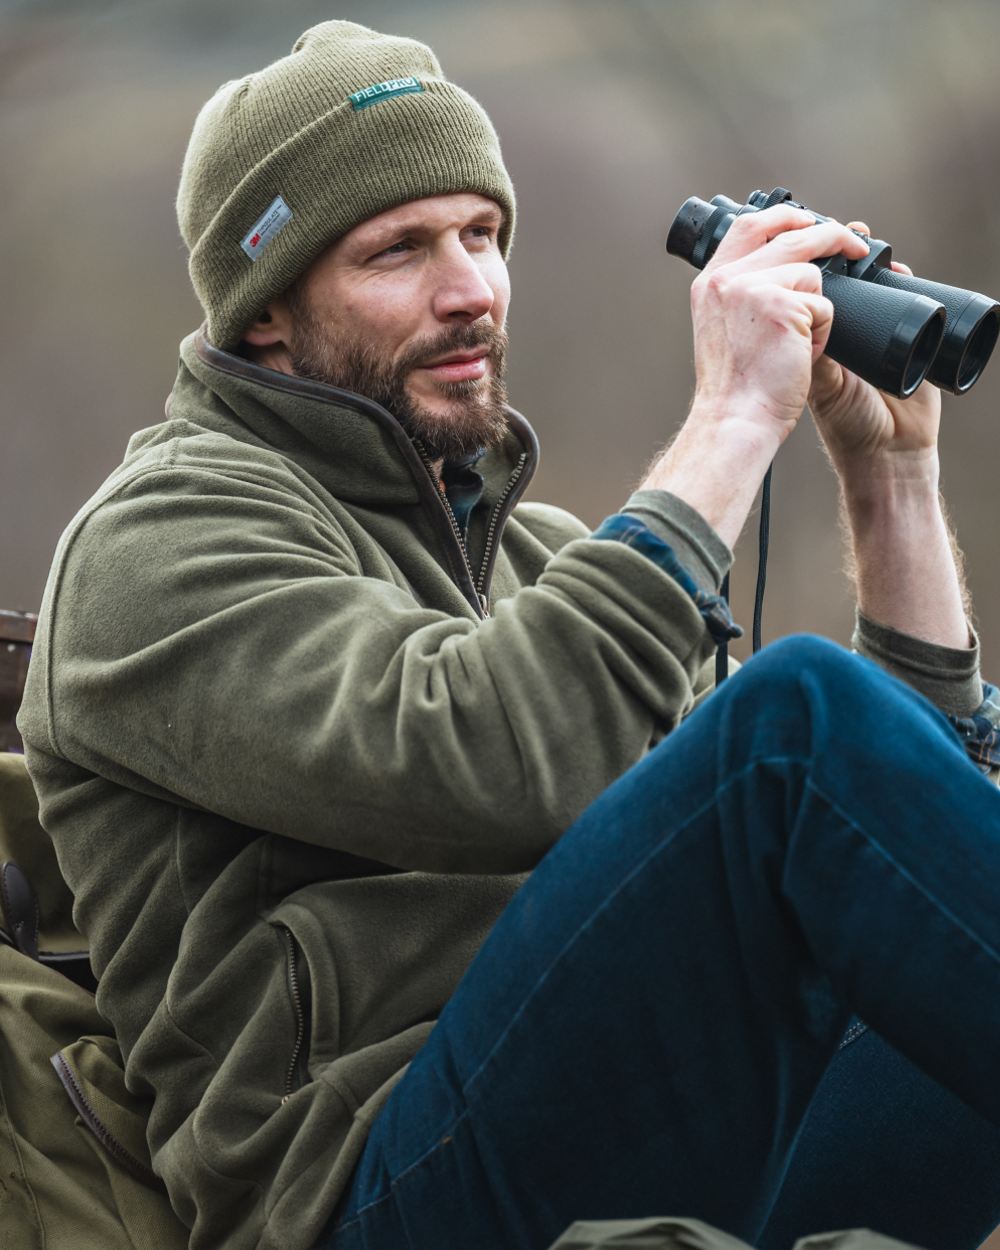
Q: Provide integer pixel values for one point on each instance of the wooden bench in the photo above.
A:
(17, 633)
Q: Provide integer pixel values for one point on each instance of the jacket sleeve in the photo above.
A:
(949, 677)
(218, 646)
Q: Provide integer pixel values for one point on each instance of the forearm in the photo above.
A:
(716, 465)
(906, 566)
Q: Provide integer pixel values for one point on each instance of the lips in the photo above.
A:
(459, 366)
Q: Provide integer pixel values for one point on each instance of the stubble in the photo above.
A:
(473, 416)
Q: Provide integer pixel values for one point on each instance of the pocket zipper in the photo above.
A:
(299, 1007)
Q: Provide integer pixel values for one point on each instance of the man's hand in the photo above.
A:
(859, 424)
(760, 317)
(906, 567)
(760, 323)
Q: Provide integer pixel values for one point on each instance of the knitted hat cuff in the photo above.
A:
(339, 170)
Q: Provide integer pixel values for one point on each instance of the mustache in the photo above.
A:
(455, 339)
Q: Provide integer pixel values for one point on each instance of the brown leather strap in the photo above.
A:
(20, 908)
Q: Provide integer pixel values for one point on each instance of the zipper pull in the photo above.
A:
(483, 603)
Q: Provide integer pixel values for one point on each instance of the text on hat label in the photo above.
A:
(264, 229)
(380, 91)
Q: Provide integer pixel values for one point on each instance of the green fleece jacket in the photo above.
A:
(297, 746)
(293, 773)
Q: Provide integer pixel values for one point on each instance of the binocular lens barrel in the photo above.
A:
(890, 340)
(971, 329)
(891, 329)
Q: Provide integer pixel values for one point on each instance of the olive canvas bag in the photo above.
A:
(75, 1172)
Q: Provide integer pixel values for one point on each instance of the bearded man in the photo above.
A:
(420, 918)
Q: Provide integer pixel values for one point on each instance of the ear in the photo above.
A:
(272, 328)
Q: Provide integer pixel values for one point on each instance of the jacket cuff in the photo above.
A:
(695, 544)
(625, 528)
(948, 676)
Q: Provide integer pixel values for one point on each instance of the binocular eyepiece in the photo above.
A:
(888, 328)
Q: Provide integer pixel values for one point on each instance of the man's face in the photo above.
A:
(408, 309)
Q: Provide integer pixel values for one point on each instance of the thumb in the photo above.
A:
(827, 381)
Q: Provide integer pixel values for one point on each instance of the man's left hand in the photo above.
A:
(860, 425)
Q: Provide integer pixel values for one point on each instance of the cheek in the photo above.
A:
(376, 316)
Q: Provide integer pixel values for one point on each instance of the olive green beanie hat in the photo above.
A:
(288, 159)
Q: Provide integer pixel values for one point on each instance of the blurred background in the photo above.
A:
(611, 113)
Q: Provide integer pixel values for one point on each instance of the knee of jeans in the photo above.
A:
(801, 655)
(804, 666)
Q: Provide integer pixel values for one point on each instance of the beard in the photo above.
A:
(473, 416)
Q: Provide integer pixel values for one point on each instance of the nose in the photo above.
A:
(461, 291)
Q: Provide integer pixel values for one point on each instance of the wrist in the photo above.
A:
(715, 465)
(888, 481)
(739, 419)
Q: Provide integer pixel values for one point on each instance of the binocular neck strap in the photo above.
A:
(763, 537)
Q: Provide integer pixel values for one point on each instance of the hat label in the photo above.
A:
(380, 91)
(264, 229)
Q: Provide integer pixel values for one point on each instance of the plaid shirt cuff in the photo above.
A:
(633, 533)
(980, 731)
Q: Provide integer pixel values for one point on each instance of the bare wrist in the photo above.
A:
(903, 482)
(715, 465)
(739, 418)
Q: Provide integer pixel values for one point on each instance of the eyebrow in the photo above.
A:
(406, 225)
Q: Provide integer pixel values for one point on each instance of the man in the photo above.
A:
(315, 692)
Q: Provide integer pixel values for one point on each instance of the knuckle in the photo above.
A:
(748, 231)
(747, 223)
(711, 283)
(810, 277)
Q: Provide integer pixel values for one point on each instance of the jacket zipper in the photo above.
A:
(300, 1014)
(479, 583)
(491, 532)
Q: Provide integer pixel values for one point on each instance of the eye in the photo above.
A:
(394, 249)
(482, 232)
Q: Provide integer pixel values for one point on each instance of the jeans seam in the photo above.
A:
(605, 903)
(397, 1180)
(905, 873)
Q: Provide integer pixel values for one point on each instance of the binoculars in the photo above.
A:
(888, 328)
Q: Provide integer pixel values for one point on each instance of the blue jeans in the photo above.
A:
(654, 1025)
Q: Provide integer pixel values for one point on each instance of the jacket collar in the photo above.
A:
(354, 447)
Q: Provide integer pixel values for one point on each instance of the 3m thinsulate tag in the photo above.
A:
(380, 91)
(266, 227)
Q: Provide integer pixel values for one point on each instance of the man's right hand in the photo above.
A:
(760, 317)
(760, 322)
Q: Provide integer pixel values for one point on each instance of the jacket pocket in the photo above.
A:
(300, 994)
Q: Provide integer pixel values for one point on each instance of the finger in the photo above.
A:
(753, 230)
(793, 277)
(896, 266)
(825, 238)
(828, 379)
(804, 312)
(821, 311)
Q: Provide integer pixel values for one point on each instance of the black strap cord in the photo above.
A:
(722, 651)
(763, 538)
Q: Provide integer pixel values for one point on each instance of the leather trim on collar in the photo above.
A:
(240, 367)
